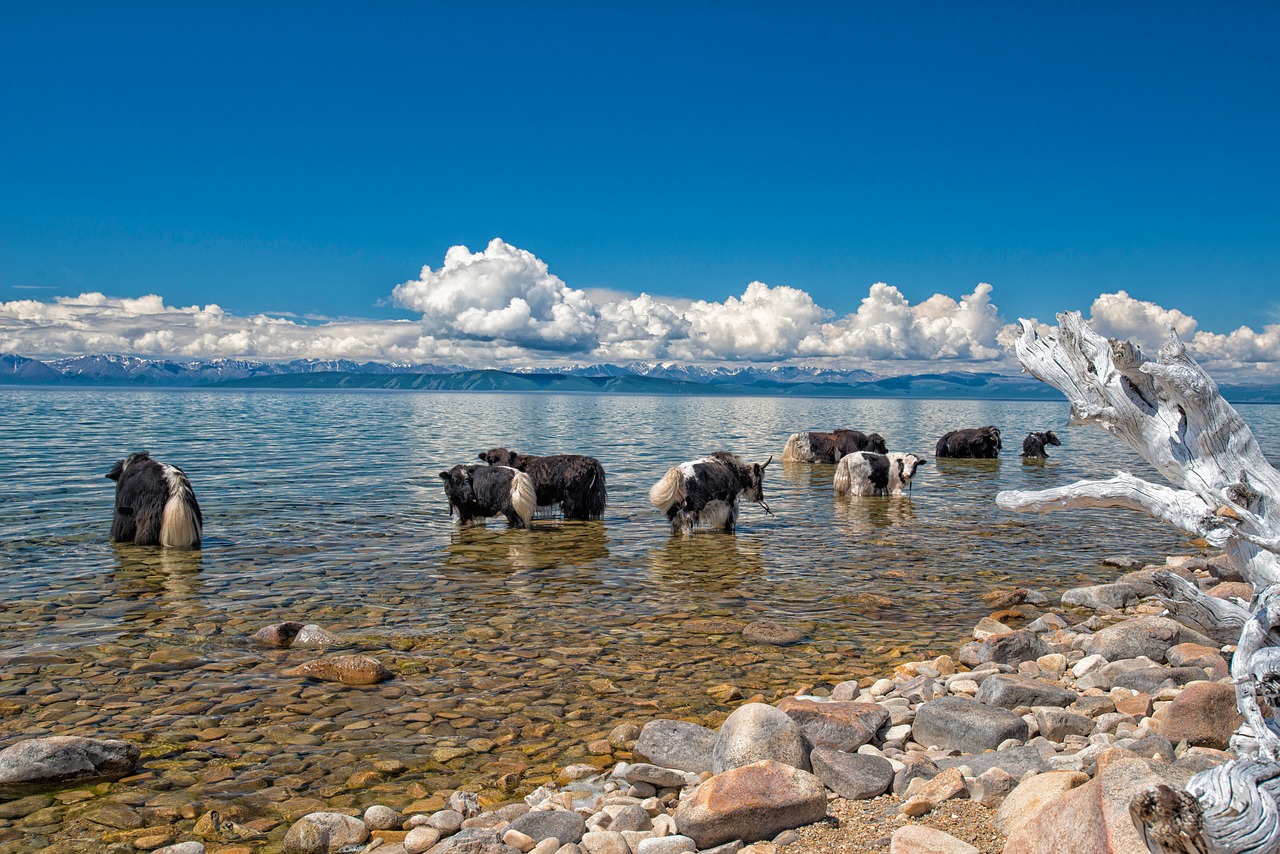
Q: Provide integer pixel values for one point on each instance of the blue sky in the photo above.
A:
(304, 160)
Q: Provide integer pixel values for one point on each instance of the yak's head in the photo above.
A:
(907, 465)
(993, 433)
(117, 470)
(499, 457)
(1050, 438)
(458, 486)
(753, 487)
(875, 442)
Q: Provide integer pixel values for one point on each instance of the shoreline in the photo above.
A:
(865, 820)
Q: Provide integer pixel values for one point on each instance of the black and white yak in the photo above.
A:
(706, 492)
(830, 447)
(573, 483)
(478, 492)
(1033, 445)
(155, 504)
(975, 443)
(866, 473)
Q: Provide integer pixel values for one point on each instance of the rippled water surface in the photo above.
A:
(512, 649)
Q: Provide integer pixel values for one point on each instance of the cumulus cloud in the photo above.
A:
(501, 294)
(503, 306)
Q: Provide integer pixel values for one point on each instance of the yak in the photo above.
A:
(478, 492)
(572, 482)
(830, 447)
(1033, 445)
(155, 504)
(867, 473)
(705, 493)
(975, 442)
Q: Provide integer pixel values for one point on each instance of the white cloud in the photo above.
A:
(502, 306)
(500, 294)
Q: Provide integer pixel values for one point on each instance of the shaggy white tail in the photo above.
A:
(843, 482)
(797, 449)
(524, 497)
(180, 527)
(669, 491)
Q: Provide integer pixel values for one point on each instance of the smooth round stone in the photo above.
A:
(380, 817)
(769, 632)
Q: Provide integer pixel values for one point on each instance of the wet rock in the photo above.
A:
(1203, 715)
(751, 803)
(1009, 690)
(958, 723)
(420, 839)
(279, 635)
(347, 669)
(466, 804)
(922, 839)
(855, 776)
(676, 744)
(312, 635)
(1095, 816)
(547, 824)
(37, 763)
(1102, 597)
(24, 807)
(336, 830)
(1149, 636)
(842, 726)
(448, 822)
(758, 731)
(769, 632)
(1032, 794)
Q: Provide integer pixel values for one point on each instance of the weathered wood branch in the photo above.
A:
(1220, 619)
(1170, 412)
(1179, 507)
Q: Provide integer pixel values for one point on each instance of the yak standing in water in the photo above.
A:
(155, 504)
(830, 447)
(706, 492)
(572, 482)
(478, 492)
(1033, 445)
(975, 443)
(865, 473)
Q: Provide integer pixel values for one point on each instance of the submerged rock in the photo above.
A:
(347, 669)
(36, 763)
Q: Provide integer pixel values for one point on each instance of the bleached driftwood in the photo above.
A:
(1169, 411)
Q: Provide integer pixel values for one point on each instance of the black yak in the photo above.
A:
(572, 482)
(866, 473)
(706, 492)
(1033, 445)
(155, 504)
(478, 492)
(830, 447)
(975, 442)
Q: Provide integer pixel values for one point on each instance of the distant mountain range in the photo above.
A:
(635, 378)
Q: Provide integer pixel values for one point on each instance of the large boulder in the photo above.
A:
(1203, 715)
(37, 763)
(1031, 794)
(758, 731)
(958, 723)
(841, 726)
(751, 803)
(676, 744)
(1101, 597)
(1149, 636)
(854, 776)
(1007, 648)
(1093, 817)
(1009, 690)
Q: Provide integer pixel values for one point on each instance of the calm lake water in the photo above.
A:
(512, 649)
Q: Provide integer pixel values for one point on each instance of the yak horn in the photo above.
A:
(766, 462)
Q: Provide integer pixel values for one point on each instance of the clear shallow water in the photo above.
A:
(327, 508)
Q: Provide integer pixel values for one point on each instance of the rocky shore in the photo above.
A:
(1057, 712)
